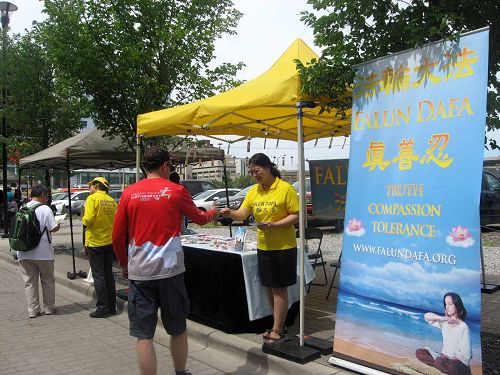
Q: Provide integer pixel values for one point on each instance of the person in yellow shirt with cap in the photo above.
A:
(98, 219)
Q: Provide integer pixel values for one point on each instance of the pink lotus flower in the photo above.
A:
(460, 233)
(354, 225)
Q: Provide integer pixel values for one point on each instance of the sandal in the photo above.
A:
(271, 339)
(267, 333)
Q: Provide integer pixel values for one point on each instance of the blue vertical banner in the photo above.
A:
(328, 188)
(409, 298)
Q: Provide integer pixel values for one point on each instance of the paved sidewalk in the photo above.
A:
(211, 351)
(71, 341)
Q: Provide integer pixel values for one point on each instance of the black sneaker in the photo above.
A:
(100, 314)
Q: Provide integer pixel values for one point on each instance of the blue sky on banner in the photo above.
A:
(262, 36)
(438, 181)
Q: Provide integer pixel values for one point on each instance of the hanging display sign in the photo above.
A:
(409, 298)
(328, 188)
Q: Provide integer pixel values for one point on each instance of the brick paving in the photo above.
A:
(69, 342)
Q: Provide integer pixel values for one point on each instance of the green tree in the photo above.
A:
(136, 56)
(242, 182)
(354, 31)
(42, 109)
(239, 182)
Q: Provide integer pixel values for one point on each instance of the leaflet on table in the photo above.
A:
(240, 235)
(236, 243)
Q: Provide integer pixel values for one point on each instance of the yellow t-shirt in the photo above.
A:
(99, 215)
(273, 205)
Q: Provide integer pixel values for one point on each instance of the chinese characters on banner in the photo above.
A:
(411, 249)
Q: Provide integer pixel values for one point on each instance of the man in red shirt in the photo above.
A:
(146, 241)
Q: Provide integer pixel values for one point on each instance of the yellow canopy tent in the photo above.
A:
(269, 106)
(263, 107)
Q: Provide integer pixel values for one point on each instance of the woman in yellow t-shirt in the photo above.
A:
(275, 207)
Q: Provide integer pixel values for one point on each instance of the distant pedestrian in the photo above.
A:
(18, 196)
(176, 179)
(98, 219)
(10, 194)
(38, 263)
(147, 244)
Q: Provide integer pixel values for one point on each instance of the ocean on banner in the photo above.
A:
(376, 325)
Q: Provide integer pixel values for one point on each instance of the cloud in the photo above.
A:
(412, 284)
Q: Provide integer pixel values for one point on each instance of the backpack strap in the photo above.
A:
(34, 207)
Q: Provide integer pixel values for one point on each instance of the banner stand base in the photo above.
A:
(489, 288)
(325, 347)
(291, 350)
(74, 275)
(354, 366)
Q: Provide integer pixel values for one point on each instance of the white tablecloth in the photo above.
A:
(258, 306)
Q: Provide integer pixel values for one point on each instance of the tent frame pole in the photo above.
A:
(72, 275)
(137, 157)
(302, 215)
(293, 350)
(227, 193)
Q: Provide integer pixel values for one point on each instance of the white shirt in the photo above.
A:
(44, 250)
(456, 340)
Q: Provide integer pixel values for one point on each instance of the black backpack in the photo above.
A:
(25, 231)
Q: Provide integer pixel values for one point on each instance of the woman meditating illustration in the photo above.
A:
(456, 353)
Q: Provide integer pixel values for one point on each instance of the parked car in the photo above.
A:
(197, 186)
(77, 200)
(234, 203)
(59, 196)
(116, 195)
(490, 199)
(78, 207)
(205, 200)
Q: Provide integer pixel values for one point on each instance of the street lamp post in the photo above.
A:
(6, 10)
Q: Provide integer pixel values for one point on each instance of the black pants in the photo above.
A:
(101, 262)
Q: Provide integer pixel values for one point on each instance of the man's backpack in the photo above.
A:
(25, 231)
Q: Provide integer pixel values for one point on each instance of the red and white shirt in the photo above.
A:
(148, 225)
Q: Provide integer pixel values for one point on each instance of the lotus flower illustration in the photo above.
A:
(355, 228)
(460, 233)
(460, 236)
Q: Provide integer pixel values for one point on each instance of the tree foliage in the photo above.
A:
(136, 56)
(354, 31)
(239, 182)
(42, 109)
